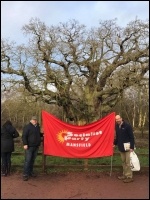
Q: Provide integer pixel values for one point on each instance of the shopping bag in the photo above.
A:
(134, 162)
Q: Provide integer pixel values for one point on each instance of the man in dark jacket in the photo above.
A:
(125, 142)
(8, 133)
(31, 138)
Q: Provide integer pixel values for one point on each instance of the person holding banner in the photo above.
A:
(125, 142)
(31, 138)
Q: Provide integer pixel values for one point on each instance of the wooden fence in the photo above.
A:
(85, 166)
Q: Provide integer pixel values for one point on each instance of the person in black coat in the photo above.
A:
(8, 133)
(31, 138)
(125, 142)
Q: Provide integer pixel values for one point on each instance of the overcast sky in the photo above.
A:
(15, 14)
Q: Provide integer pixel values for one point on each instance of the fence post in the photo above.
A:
(86, 164)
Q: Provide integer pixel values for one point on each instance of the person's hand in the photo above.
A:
(114, 145)
(25, 147)
(131, 150)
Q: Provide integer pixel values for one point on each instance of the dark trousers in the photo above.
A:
(30, 156)
(6, 162)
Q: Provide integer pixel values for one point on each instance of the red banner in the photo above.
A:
(71, 141)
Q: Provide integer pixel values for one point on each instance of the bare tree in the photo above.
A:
(18, 106)
(136, 103)
(83, 71)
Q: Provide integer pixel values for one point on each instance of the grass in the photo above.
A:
(77, 163)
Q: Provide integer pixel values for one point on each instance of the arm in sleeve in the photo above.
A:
(115, 139)
(25, 135)
(16, 134)
(131, 137)
(41, 134)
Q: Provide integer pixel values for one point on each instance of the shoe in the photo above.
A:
(121, 177)
(33, 175)
(3, 174)
(25, 178)
(128, 180)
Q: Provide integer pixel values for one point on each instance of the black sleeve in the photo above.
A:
(12, 131)
(15, 134)
(41, 134)
(25, 135)
(131, 137)
(116, 140)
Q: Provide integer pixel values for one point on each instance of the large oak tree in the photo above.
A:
(83, 71)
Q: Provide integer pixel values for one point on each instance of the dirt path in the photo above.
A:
(75, 185)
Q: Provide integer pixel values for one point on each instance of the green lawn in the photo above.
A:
(56, 161)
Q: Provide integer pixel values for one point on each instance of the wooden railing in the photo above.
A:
(44, 166)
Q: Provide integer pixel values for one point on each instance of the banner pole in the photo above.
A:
(111, 165)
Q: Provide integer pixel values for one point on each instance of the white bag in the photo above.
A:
(134, 161)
